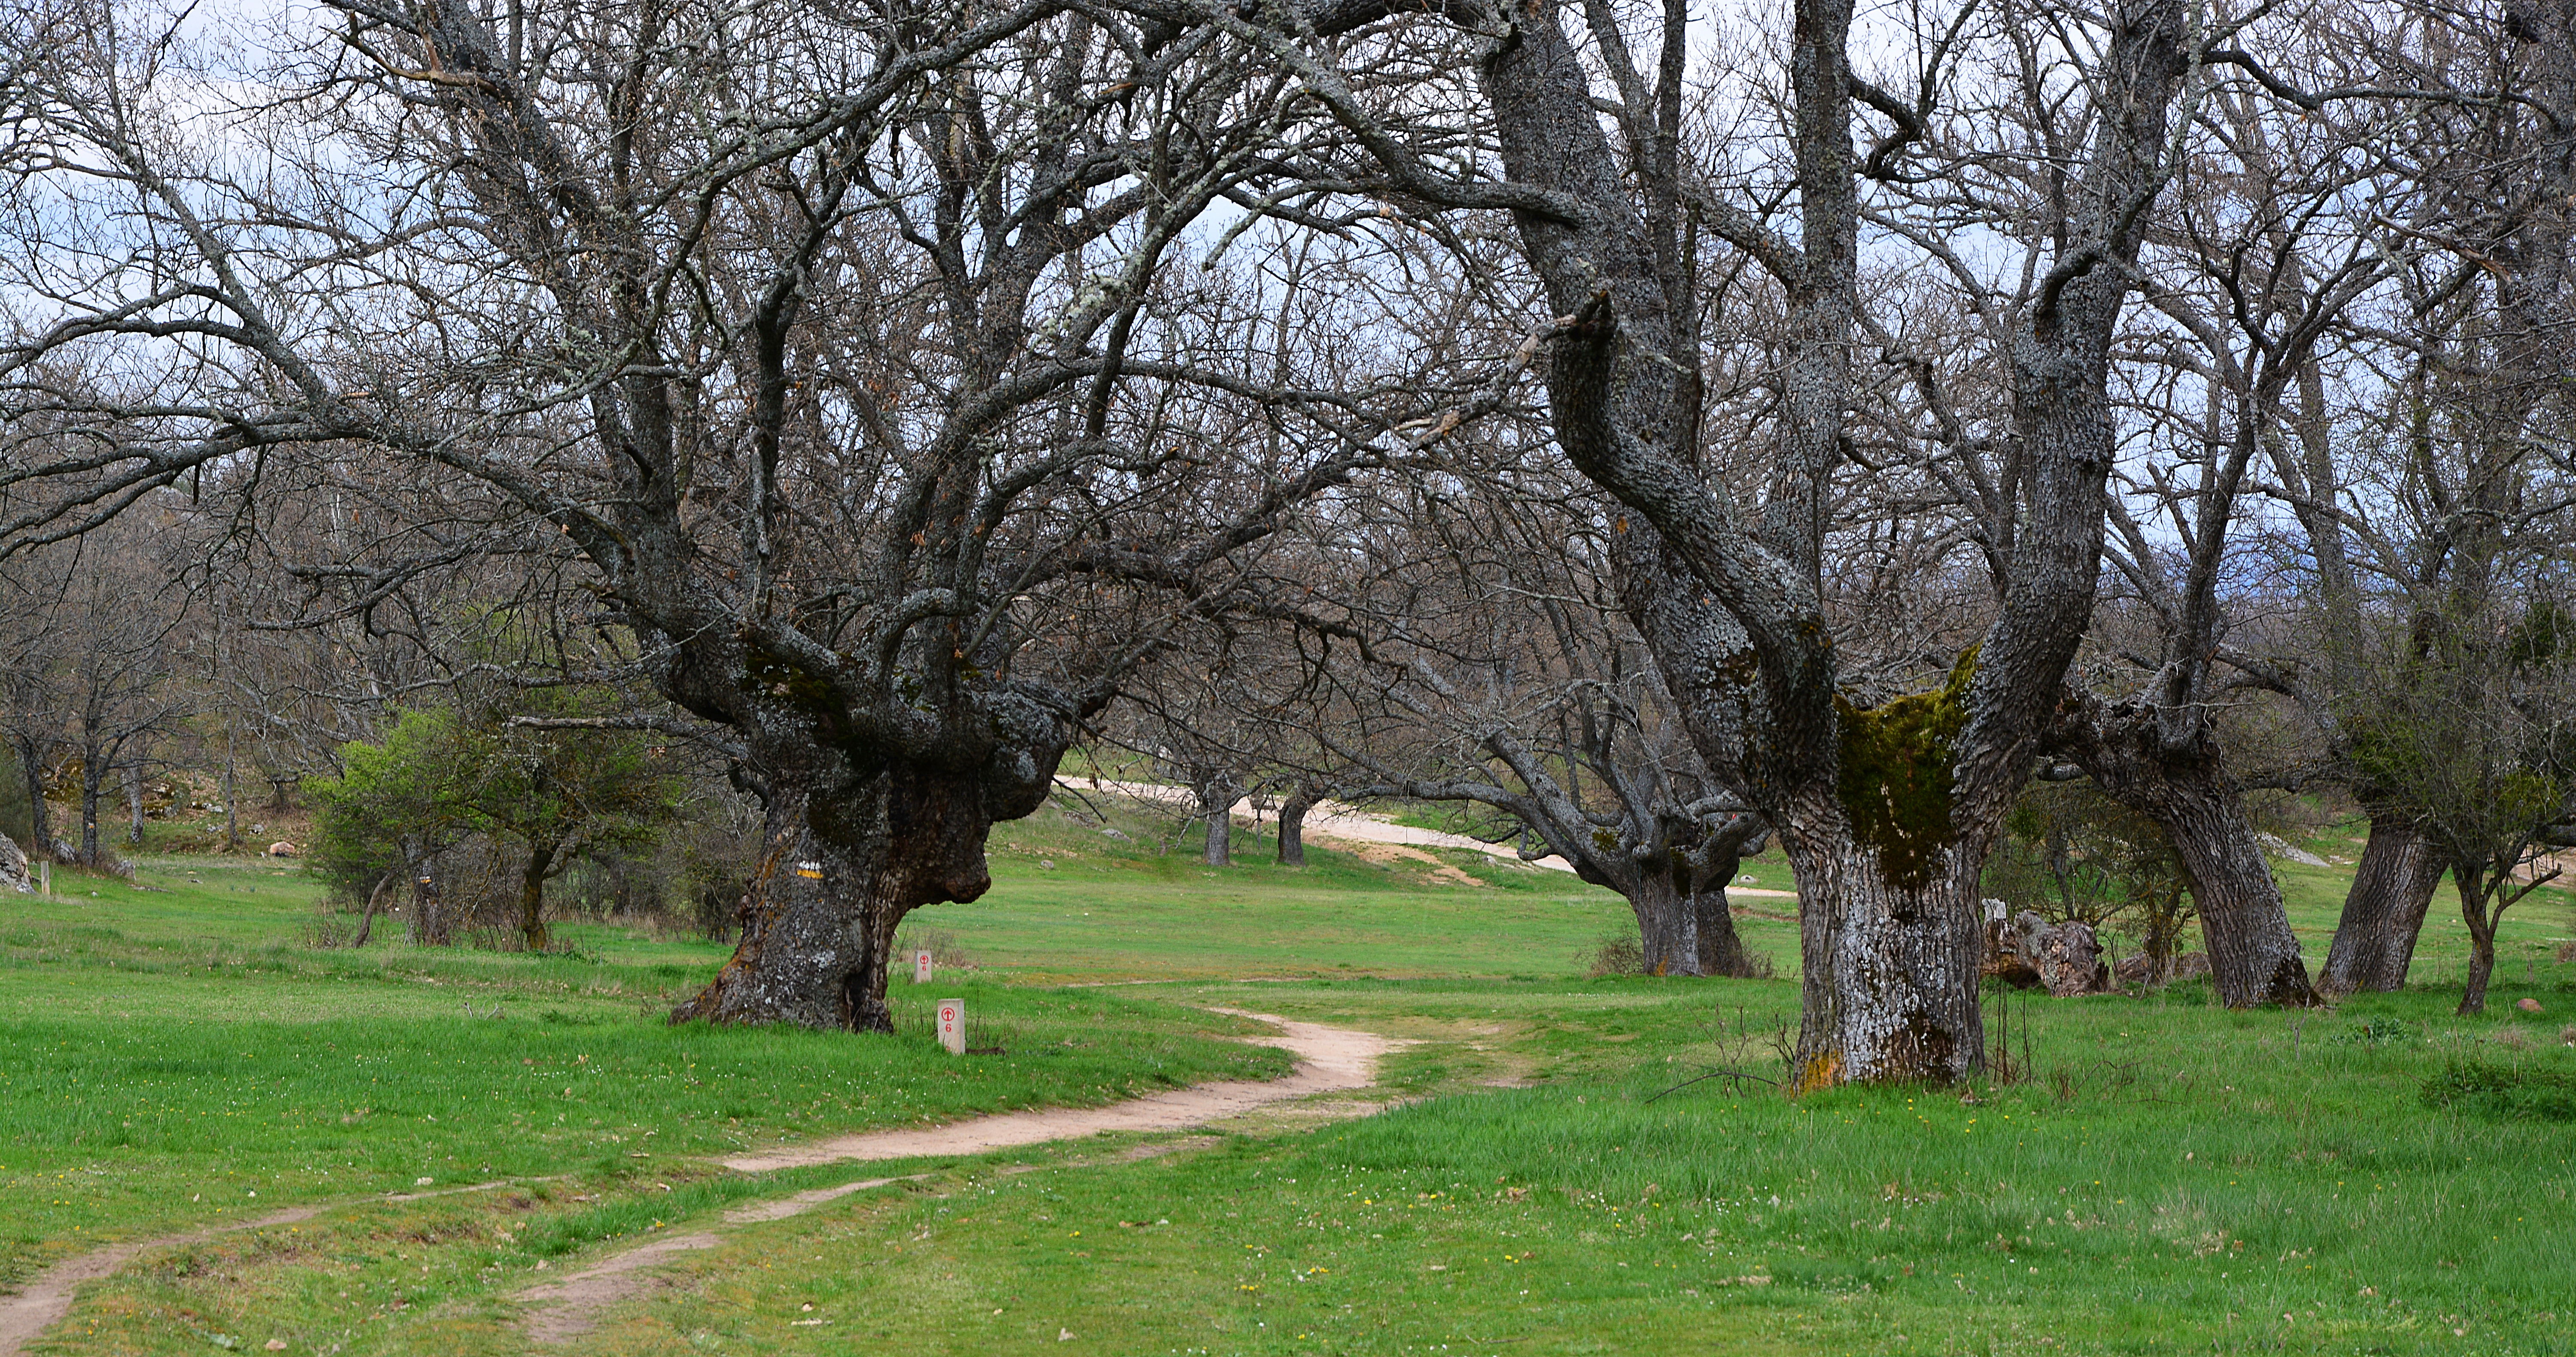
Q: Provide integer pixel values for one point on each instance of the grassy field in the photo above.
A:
(2166, 1177)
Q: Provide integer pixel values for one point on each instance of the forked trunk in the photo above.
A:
(1891, 967)
(2383, 913)
(841, 868)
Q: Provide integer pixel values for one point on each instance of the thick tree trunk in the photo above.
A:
(1687, 932)
(1219, 851)
(1890, 984)
(532, 897)
(1292, 828)
(1668, 924)
(842, 867)
(1217, 793)
(1721, 949)
(2383, 913)
(2254, 958)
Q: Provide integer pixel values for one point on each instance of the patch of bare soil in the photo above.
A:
(1441, 873)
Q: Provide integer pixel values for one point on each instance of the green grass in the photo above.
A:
(2173, 1177)
(171, 1057)
(2179, 1179)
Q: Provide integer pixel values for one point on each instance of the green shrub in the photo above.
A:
(2510, 1092)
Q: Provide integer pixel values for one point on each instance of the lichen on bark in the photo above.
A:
(1895, 773)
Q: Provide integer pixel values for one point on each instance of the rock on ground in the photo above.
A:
(2029, 951)
(13, 868)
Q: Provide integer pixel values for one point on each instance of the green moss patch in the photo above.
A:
(1895, 775)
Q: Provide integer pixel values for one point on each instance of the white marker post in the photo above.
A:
(921, 967)
(952, 1025)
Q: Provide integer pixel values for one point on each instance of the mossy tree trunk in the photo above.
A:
(2384, 911)
(1890, 984)
(1734, 609)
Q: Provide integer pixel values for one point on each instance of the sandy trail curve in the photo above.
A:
(1330, 1060)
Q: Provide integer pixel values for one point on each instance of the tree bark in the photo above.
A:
(532, 896)
(2383, 913)
(232, 803)
(843, 865)
(2254, 958)
(134, 805)
(93, 790)
(430, 926)
(1890, 979)
(1686, 931)
(375, 900)
(1667, 925)
(1721, 948)
(40, 823)
(2473, 912)
(1292, 827)
(1216, 807)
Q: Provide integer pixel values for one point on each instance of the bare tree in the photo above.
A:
(114, 615)
(1885, 811)
(840, 359)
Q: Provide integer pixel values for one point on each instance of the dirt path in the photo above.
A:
(1336, 820)
(27, 1313)
(1330, 1060)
